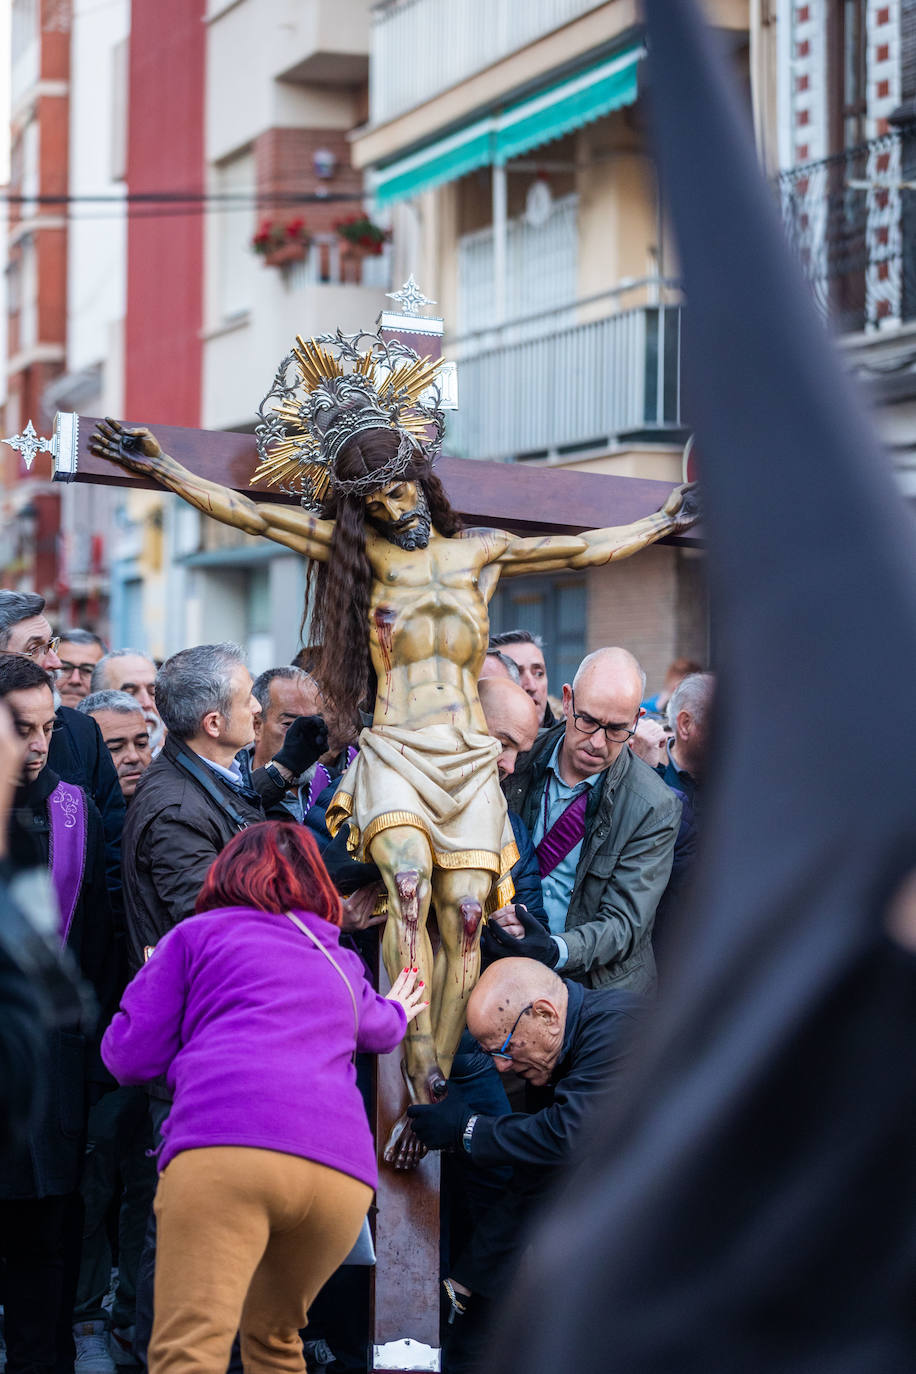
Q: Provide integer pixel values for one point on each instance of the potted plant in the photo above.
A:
(281, 242)
(362, 235)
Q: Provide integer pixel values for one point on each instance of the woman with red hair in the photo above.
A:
(253, 1011)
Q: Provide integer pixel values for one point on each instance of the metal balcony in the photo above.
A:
(555, 385)
(851, 220)
(420, 48)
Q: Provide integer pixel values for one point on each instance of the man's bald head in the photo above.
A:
(512, 718)
(614, 664)
(606, 692)
(529, 1000)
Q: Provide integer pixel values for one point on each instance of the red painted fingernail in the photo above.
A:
(420, 984)
(416, 970)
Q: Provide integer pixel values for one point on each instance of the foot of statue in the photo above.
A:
(403, 1151)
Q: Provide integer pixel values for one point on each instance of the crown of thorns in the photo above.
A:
(331, 388)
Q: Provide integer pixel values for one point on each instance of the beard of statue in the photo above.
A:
(339, 591)
(406, 534)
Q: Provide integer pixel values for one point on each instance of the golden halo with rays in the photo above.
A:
(297, 460)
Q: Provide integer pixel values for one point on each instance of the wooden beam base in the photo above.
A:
(404, 1325)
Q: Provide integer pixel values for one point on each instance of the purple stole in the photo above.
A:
(321, 778)
(563, 836)
(67, 819)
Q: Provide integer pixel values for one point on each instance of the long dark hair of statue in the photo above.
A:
(339, 590)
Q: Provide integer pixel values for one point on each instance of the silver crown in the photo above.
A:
(331, 388)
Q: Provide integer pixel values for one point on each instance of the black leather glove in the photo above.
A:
(441, 1124)
(306, 740)
(536, 943)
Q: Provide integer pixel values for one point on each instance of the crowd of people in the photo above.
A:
(167, 822)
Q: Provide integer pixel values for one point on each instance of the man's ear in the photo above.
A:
(682, 724)
(211, 724)
(546, 1012)
(257, 725)
(567, 700)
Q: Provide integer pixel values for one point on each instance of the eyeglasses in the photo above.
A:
(587, 725)
(503, 1051)
(38, 651)
(84, 669)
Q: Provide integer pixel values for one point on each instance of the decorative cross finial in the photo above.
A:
(29, 444)
(410, 298)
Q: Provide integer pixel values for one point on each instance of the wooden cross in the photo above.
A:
(404, 1331)
(527, 500)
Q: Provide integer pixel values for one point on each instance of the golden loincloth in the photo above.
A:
(441, 779)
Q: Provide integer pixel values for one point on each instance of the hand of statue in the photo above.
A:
(359, 906)
(683, 507)
(409, 993)
(136, 450)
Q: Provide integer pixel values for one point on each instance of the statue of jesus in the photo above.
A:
(400, 595)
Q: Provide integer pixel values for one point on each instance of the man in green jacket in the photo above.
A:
(604, 826)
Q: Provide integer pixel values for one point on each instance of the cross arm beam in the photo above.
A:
(549, 500)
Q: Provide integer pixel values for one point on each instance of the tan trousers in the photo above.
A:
(245, 1239)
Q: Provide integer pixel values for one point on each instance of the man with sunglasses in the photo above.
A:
(604, 827)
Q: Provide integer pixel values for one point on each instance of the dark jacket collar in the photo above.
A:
(33, 795)
(573, 1011)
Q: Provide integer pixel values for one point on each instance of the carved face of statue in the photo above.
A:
(400, 512)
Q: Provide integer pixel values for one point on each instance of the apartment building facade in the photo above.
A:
(36, 286)
(165, 313)
(510, 146)
(840, 142)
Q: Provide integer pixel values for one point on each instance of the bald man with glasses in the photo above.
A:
(604, 828)
(570, 1045)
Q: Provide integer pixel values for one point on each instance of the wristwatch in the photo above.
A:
(467, 1133)
(276, 777)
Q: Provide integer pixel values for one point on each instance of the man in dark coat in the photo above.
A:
(569, 1044)
(55, 827)
(192, 799)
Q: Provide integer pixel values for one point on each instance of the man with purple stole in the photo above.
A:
(56, 831)
(604, 827)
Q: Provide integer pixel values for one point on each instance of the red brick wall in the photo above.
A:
(51, 247)
(652, 604)
(55, 39)
(283, 161)
(165, 253)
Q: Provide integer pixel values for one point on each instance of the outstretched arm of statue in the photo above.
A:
(138, 451)
(594, 547)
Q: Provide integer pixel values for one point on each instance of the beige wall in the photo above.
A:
(617, 214)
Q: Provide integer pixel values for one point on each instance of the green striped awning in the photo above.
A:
(529, 123)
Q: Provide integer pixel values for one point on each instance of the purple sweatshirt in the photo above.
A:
(254, 1031)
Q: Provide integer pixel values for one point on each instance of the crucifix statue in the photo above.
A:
(399, 611)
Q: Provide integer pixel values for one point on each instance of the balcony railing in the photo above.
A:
(553, 385)
(851, 220)
(421, 47)
(328, 262)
